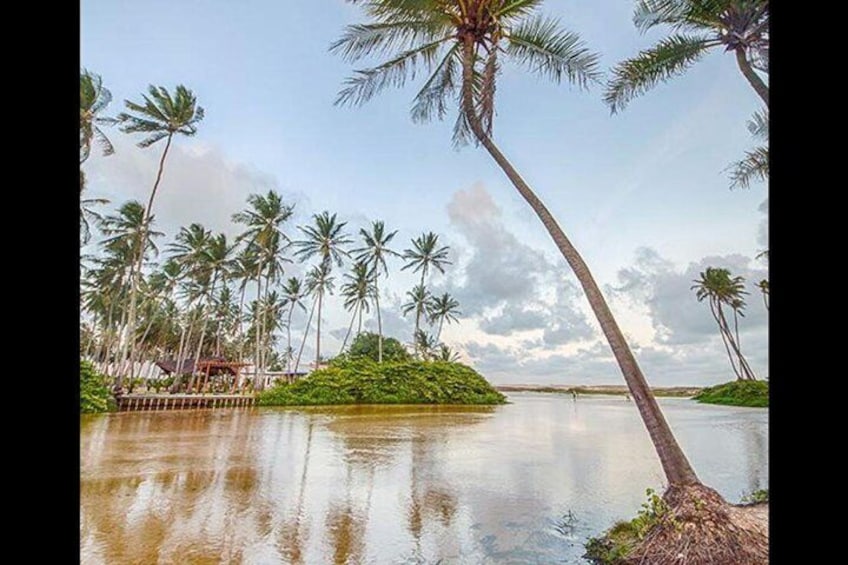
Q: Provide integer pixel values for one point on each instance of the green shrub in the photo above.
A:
(757, 497)
(366, 344)
(736, 393)
(362, 381)
(94, 393)
(616, 543)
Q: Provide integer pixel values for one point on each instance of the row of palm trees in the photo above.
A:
(193, 303)
(460, 46)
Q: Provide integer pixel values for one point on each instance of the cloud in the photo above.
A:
(505, 284)
(199, 184)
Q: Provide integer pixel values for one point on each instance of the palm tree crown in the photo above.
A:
(460, 45)
(740, 26)
(162, 115)
(426, 253)
(94, 98)
(325, 239)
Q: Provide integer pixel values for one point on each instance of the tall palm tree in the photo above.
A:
(738, 26)
(357, 292)
(94, 98)
(373, 253)
(425, 253)
(293, 293)
(160, 116)
(318, 283)
(419, 299)
(443, 309)
(717, 286)
(460, 44)
(265, 237)
(326, 240)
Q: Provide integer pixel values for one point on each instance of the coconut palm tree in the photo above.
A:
(717, 286)
(326, 240)
(737, 26)
(318, 283)
(88, 216)
(357, 292)
(293, 293)
(160, 116)
(419, 299)
(94, 98)
(265, 239)
(460, 45)
(443, 309)
(373, 253)
(425, 253)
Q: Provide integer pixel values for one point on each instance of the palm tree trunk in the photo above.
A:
(241, 324)
(199, 348)
(715, 309)
(265, 311)
(318, 332)
(439, 333)
(349, 328)
(288, 338)
(745, 369)
(752, 76)
(256, 360)
(136, 273)
(379, 320)
(305, 334)
(676, 466)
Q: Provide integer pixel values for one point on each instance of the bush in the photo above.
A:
(616, 543)
(737, 393)
(94, 393)
(366, 344)
(362, 381)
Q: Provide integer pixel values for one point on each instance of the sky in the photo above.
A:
(643, 194)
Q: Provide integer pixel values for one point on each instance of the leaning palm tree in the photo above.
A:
(459, 44)
(738, 26)
(94, 98)
(373, 253)
(719, 288)
(443, 309)
(160, 116)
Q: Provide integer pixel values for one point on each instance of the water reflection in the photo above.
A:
(522, 483)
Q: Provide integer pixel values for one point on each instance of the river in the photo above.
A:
(527, 482)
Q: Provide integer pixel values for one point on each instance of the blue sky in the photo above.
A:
(643, 194)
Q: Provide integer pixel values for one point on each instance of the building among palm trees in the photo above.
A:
(216, 372)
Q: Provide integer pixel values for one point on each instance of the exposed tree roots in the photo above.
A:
(701, 528)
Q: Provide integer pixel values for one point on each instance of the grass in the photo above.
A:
(362, 381)
(737, 393)
(618, 541)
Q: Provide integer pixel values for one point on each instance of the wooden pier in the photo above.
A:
(155, 402)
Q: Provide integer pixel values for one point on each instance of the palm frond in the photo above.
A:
(395, 72)
(755, 166)
(360, 40)
(543, 47)
(670, 57)
(518, 8)
(432, 98)
(758, 125)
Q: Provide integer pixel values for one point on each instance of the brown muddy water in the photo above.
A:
(527, 482)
